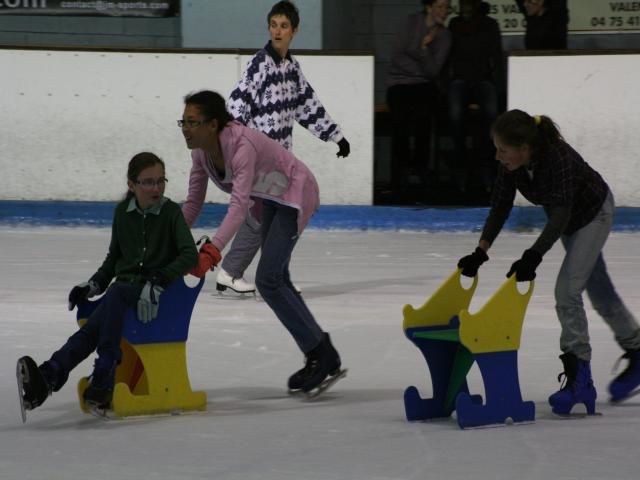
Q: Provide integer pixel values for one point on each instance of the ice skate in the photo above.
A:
(626, 384)
(33, 386)
(578, 387)
(240, 286)
(99, 393)
(322, 369)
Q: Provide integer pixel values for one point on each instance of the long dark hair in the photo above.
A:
(211, 105)
(137, 164)
(517, 128)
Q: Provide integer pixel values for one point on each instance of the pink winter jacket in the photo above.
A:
(256, 168)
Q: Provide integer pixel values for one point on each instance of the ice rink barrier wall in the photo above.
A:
(74, 118)
(594, 98)
(17, 214)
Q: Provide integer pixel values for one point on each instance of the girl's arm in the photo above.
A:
(187, 257)
(243, 166)
(198, 181)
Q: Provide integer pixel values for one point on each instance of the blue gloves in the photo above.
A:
(525, 268)
(82, 292)
(344, 148)
(471, 263)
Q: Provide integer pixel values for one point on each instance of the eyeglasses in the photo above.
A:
(190, 123)
(150, 182)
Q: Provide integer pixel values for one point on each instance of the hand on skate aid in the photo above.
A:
(471, 263)
(208, 257)
(525, 268)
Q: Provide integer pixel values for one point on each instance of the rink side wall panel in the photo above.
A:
(74, 118)
(595, 100)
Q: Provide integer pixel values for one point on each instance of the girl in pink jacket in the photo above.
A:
(281, 193)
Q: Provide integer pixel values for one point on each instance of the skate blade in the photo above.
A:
(507, 423)
(230, 294)
(103, 412)
(619, 401)
(325, 385)
(575, 415)
(100, 413)
(21, 376)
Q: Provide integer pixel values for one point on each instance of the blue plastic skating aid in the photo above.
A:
(451, 339)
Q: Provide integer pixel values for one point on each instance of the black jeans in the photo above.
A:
(412, 108)
(461, 94)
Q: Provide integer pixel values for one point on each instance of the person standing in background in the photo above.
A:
(547, 23)
(476, 77)
(419, 53)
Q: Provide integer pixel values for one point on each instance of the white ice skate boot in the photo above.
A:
(238, 285)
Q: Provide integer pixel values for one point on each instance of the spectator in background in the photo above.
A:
(547, 22)
(476, 78)
(419, 52)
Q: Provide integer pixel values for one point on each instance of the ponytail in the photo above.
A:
(517, 128)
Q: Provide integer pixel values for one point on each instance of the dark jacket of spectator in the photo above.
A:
(549, 30)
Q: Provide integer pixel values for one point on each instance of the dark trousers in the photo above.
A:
(411, 108)
(102, 332)
(462, 93)
(279, 237)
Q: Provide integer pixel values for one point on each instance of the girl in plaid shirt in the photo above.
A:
(536, 161)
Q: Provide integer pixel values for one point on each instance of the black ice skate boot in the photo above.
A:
(626, 384)
(578, 387)
(322, 362)
(100, 390)
(37, 383)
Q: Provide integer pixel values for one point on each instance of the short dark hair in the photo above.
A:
(288, 9)
(211, 105)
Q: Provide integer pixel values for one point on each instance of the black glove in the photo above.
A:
(525, 268)
(82, 292)
(471, 263)
(345, 149)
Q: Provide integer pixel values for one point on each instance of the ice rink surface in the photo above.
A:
(356, 283)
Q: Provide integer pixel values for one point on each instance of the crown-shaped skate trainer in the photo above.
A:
(152, 377)
(451, 339)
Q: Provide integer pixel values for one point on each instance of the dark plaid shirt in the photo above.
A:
(558, 179)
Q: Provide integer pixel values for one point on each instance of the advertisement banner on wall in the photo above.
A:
(585, 16)
(96, 8)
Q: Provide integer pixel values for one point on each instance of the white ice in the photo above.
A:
(356, 283)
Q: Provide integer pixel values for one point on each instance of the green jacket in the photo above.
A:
(143, 243)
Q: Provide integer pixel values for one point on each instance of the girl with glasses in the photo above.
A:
(151, 245)
(266, 181)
